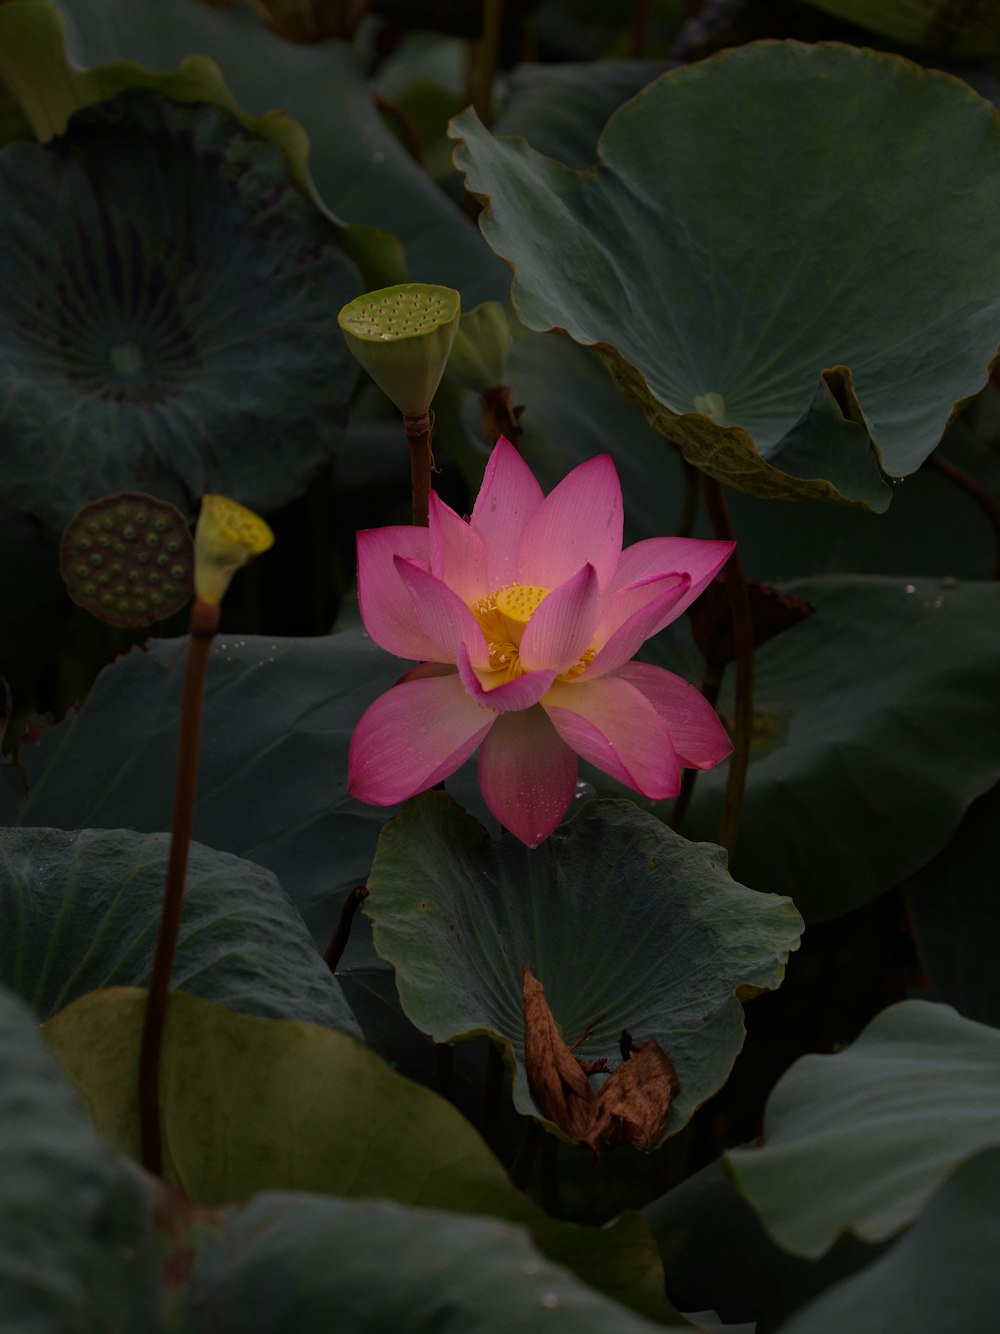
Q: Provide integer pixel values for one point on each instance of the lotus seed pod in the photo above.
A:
(479, 356)
(226, 536)
(402, 337)
(128, 559)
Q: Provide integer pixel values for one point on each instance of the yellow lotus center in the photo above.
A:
(503, 616)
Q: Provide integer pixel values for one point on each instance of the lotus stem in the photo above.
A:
(640, 28)
(739, 604)
(486, 60)
(411, 137)
(342, 932)
(204, 624)
(976, 492)
(418, 433)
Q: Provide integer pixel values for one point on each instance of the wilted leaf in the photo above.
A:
(558, 1082)
(633, 1103)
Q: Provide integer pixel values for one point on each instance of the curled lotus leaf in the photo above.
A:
(671, 959)
(168, 301)
(785, 255)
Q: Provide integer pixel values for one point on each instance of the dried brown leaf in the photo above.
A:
(634, 1102)
(558, 1083)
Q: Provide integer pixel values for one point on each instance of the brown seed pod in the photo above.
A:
(128, 559)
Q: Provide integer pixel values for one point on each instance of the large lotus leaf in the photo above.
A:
(932, 528)
(168, 320)
(13, 122)
(626, 925)
(875, 727)
(36, 78)
(77, 1251)
(953, 905)
(717, 1255)
(285, 1262)
(272, 787)
(942, 1275)
(786, 254)
(862, 1139)
(561, 109)
(81, 911)
(254, 1104)
(358, 167)
(941, 25)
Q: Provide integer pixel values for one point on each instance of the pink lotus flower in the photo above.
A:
(525, 619)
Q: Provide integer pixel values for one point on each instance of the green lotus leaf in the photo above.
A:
(786, 256)
(168, 320)
(259, 1104)
(942, 1274)
(941, 25)
(356, 167)
(626, 925)
(480, 353)
(562, 109)
(875, 725)
(954, 911)
(77, 1250)
(270, 1269)
(718, 1257)
(81, 911)
(272, 786)
(932, 528)
(863, 1139)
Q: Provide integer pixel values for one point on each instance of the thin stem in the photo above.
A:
(418, 433)
(987, 503)
(486, 56)
(407, 129)
(204, 623)
(739, 604)
(640, 28)
(342, 931)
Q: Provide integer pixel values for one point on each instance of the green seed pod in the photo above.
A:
(120, 524)
(402, 337)
(479, 356)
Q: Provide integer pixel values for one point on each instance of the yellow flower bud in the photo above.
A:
(226, 536)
